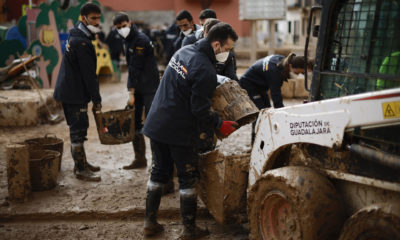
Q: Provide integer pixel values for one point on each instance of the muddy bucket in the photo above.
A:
(48, 142)
(232, 103)
(43, 168)
(222, 185)
(116, 127)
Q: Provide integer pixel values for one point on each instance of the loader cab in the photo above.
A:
(358, 48)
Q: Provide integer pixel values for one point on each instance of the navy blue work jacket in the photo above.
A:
(77, 81)
(142, 65)
(181, 108)
(265, 75)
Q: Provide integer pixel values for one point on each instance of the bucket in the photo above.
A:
(48, 142)
(222, 185)
(232, 103)
(43, 168)
(116, 127)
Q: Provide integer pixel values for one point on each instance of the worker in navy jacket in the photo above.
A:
(269, 73)
(77, 85)
(225, 68)
(184, 20)
(143, 80)
(180, 111)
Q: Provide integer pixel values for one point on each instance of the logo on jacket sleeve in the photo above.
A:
(266, 63)
(178, 67)
(139, 50)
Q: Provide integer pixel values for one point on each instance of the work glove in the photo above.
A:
(228, 127)
(96, 108)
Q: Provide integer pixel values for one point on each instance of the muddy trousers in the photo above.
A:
(185, 159)
(77, 120)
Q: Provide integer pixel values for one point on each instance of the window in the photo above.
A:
(364, 51)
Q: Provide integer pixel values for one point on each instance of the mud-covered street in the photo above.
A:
(111, 209)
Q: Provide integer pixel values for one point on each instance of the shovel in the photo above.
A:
(53, 118)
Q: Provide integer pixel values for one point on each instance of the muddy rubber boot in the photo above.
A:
(139, 147)
(188, 202)
(81, 171)
(153, 199)
(91, 167)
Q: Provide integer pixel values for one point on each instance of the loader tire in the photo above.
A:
(294, 203)
(378, 222)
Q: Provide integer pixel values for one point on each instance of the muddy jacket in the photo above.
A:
(181, 106)
(77, 81)
(227, 69)
(265, 75)
(142, 65)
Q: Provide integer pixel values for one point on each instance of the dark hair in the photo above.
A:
(295, 61)
(184, 14)
(89, 8)
(221, 32)
(120, 17)
(209, 23)
(298, 62)
(207, 13)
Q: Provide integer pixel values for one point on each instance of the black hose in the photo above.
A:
(376, 156)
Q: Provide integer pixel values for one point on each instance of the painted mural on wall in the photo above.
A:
(43, 32)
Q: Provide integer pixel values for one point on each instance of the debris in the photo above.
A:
(84, 227)
(84, 197)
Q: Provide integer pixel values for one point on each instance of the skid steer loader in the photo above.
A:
(330, 168)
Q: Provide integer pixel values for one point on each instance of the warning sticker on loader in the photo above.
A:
(391, 110)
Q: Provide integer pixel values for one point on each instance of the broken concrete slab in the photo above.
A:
(20, 108)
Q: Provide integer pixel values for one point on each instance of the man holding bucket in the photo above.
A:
(143, 79)
(179, 113)
(77, 85)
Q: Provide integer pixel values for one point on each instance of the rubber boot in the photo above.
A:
(139, 148)
(188, 202)
(153, 199)
(81, 171)
(91, 167)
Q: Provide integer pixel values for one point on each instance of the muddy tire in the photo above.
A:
(378, 222)
(294, 203)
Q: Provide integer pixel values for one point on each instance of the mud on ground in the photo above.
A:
(110, 209)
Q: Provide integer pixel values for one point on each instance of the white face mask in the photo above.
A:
(92, 28)
(222, 56)
(292, 75)
(187, 32)
(124, 32)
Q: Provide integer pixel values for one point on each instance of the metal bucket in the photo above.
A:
(43, 168)
(116, 127)
(48, 142)
(232, 103)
